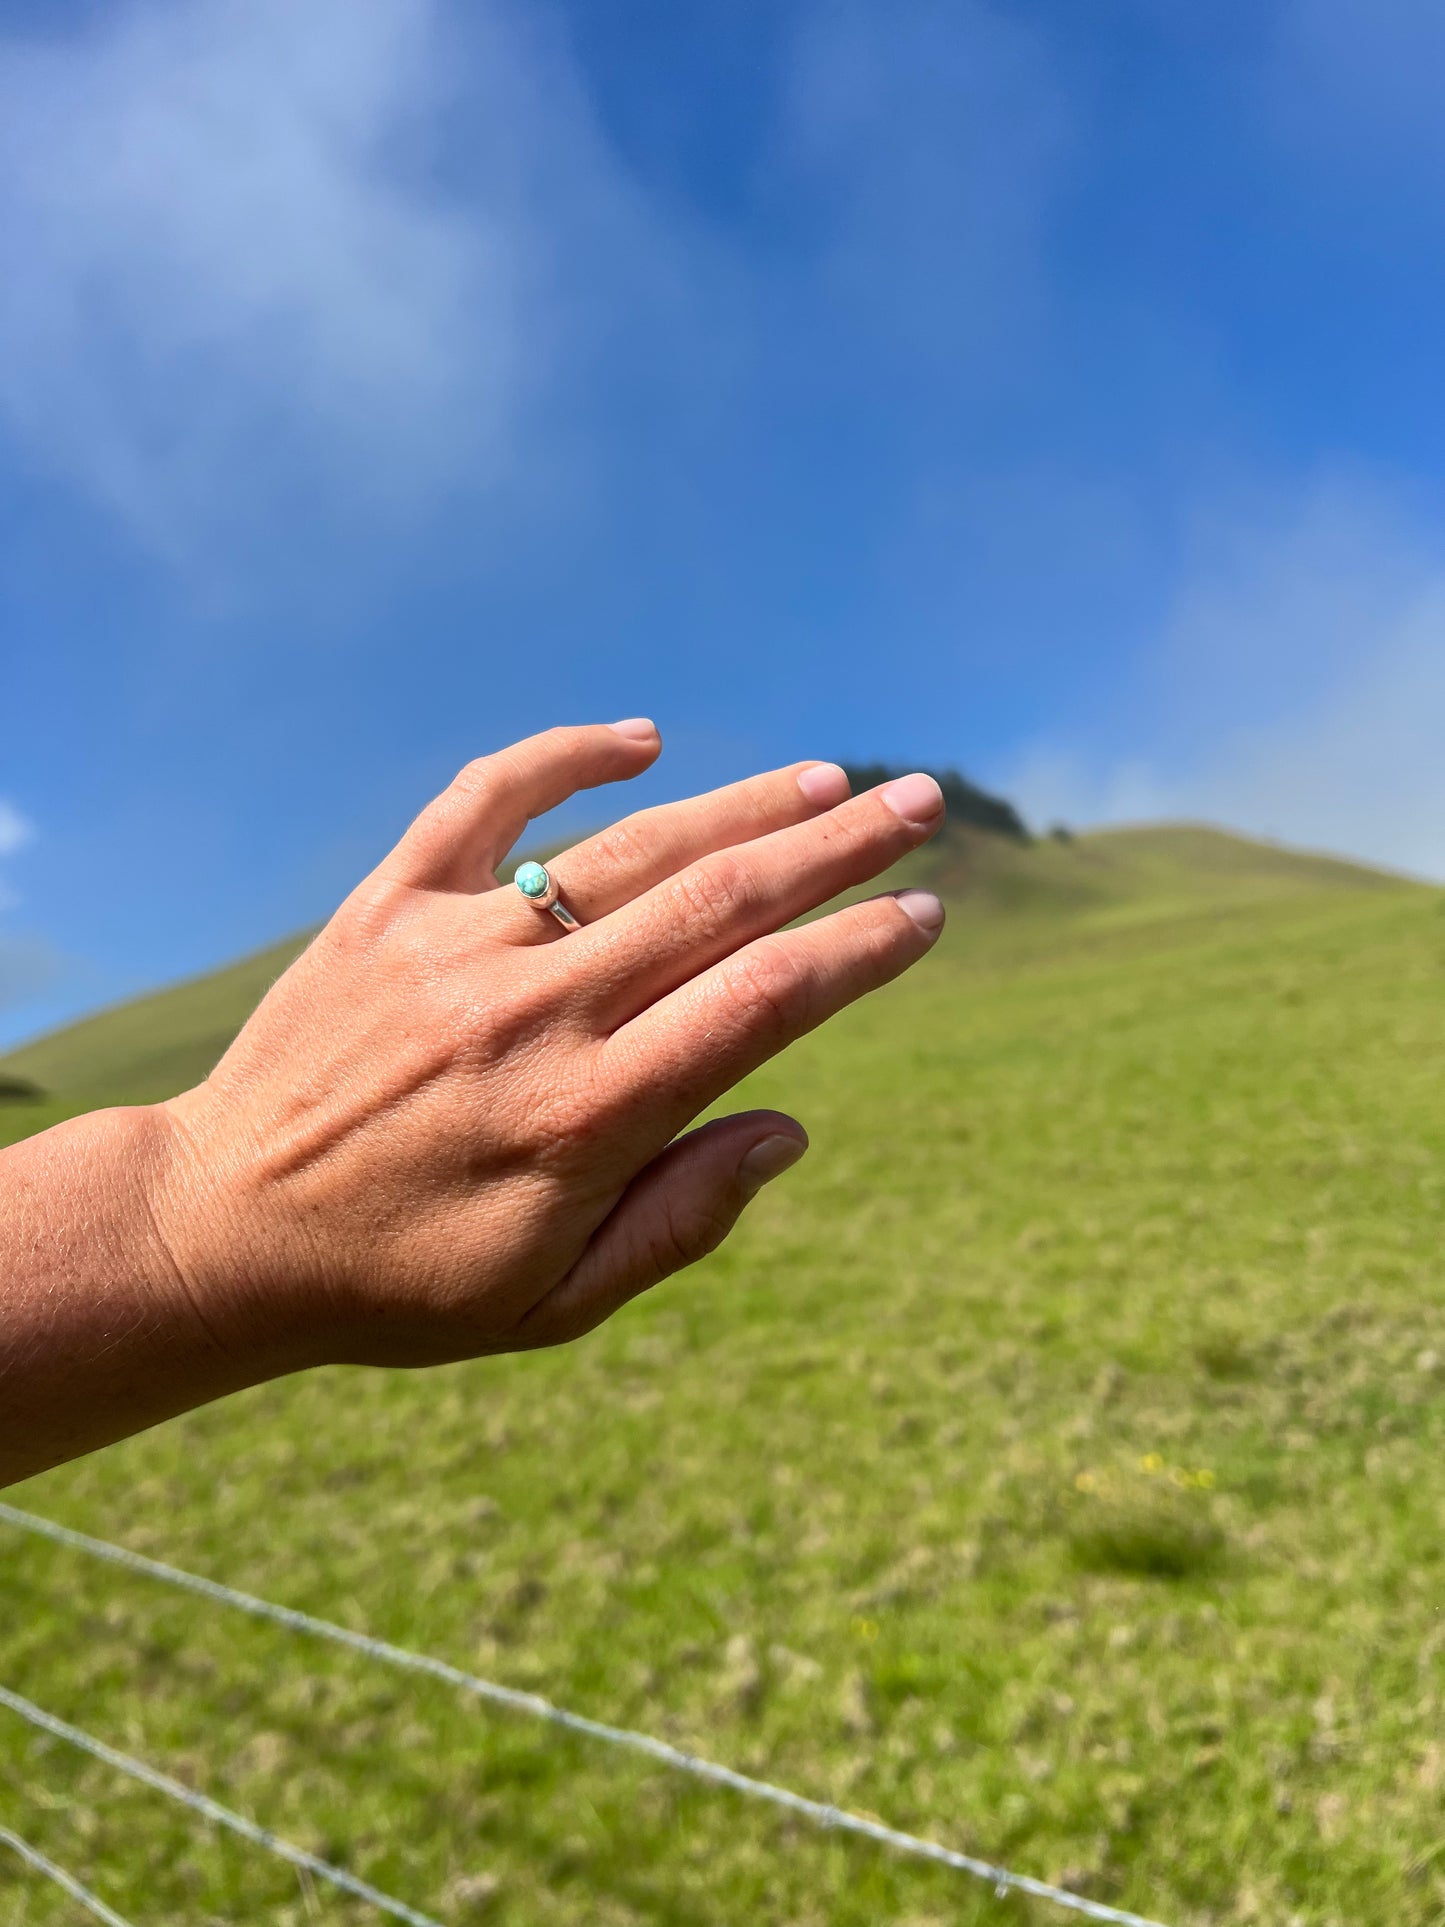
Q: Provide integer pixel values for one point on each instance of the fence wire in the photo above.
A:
(820, 1813)
(35, 1859)
(211, 1809)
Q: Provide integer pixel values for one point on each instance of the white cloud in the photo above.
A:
(14, 830)
(1359, 769)
(1298, 691)
(15, 833)
(217, 253)
(270, 267)
(277, 262)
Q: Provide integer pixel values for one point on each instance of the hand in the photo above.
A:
(451, 1127)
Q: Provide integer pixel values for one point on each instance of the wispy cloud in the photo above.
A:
(15, 833)
(1297, 691)
(14, 830)
(267, 261)
(226, 267)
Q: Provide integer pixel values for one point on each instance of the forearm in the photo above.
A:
(99, 1334)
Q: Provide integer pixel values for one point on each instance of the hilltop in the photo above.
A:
(154, 1045)
(966, 803)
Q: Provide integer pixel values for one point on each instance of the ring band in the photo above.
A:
(539, 887)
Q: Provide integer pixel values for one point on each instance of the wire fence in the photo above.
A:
(38, 1863)
(212, 1810)
(820, 1813)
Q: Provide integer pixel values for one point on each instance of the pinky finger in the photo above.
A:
(696, 1043)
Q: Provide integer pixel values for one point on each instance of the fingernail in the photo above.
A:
(769, 1159)
(823, 784)
(916, 798)
(924, 908)
(637, 729)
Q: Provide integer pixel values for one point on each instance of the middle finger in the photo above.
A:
(705, 912)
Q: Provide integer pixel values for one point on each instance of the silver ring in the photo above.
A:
(539, 887)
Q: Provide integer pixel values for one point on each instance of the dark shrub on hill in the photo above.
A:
(18, 1090)
(967, 803)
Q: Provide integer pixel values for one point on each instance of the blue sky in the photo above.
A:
(1049, 390)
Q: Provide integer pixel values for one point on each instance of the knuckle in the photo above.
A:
(572, 1123)
(367, 916)
(512, 1030)
(763, 984)
(712, 896)
(469, 795)
(686, 1236)
(561, 1126)
(881, 940)
(380, 933)
(563, 741)
(624, 847)
(475, 781)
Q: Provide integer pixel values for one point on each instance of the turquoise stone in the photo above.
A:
(531, 879)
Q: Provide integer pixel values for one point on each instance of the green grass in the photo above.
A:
(1054, 1464)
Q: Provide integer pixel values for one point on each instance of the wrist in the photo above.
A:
(104, 1329)
(210, 1248)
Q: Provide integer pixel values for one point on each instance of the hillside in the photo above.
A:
(154, 1045)
(1051, 1465)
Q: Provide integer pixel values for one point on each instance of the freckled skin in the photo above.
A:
(451, 1127)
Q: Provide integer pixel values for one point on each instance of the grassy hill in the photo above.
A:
(153, 1046)
(1053, 1464)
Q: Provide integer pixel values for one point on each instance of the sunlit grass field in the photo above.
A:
(1054, 1464)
